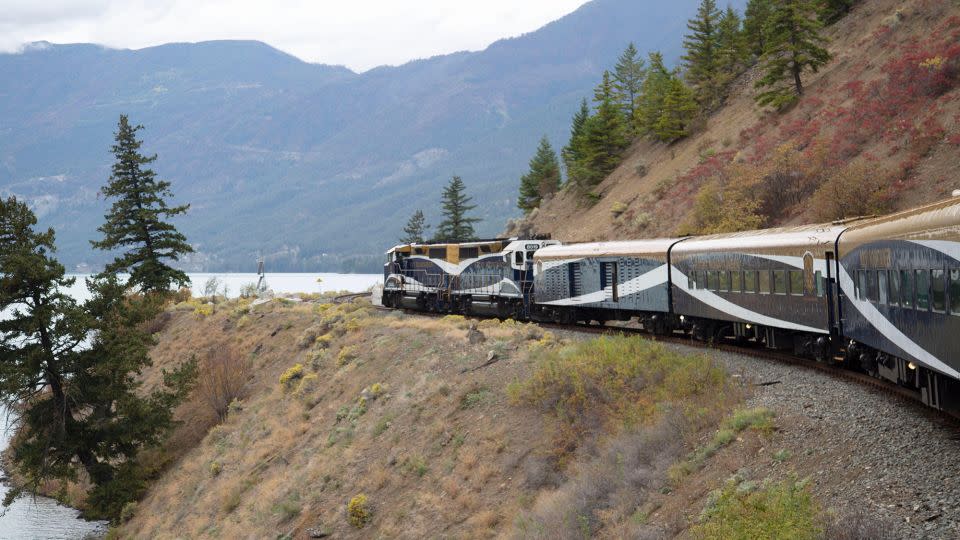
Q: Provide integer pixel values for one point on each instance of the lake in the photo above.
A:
(36, 518)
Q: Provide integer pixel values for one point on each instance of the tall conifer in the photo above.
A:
(701, 58)
(137, 222)
(628, 81)
(652, 94)
(415, 229)
(573, 152)
(793, 47)
(542, 179)
(679, 110)
(605, 135)
(456, 225)
(755, 20)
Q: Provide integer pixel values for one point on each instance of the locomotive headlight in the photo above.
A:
(911, 365)
(749, 326)
(682, 318)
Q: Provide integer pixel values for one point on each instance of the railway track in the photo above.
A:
(348, 298)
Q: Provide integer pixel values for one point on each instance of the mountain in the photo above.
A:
(315, 166)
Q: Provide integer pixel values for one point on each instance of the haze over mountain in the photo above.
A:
(315, 166)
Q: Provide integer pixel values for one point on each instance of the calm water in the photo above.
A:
(42, 518)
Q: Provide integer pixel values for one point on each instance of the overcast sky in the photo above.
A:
(360, 34)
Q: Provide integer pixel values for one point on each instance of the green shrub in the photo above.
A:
(778, 511)
(759, 419)
(128, 511)
(294, 373)
(358, 511)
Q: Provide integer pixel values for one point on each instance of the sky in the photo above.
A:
(360, 34)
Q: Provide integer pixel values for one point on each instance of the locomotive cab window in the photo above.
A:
(779, 282)
(796, 282)
(923, 290)
(906, 288)
(954, 292)
(750, 281)
(518, 258)
(938, 291)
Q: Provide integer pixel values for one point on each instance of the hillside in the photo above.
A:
(291, 159)
(506, 430)
(877, 129)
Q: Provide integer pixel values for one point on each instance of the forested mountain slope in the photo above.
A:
(876, 130)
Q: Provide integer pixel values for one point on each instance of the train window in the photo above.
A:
(724, 281)
(861, 284)
(923, 290)
(469, 253)
(872, 292)
(438, 253)
(703, 279)
(691, 281)
(818, 282)
(779, 282)
(750, 281)
(764, 282)
(736, 281)
(796, 282)
(955, 292)
(894, 287)
(518, 258)
(906, 288)
(882, 286)
(712, 280)
(938, 291)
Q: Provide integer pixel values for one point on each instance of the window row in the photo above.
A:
(924, 290)
(785, 282)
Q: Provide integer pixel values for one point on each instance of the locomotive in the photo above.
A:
(876, 294)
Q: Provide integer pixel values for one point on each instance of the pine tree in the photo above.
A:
(456, 226)
(572, 153)
(650, 102)
(832, 11)
(731, 50)
(701, 58)
(755, 20)
(542, 179)
(137, 221)
(627, 81)
(793, 47)
(605, 135)
(679, 110)
(72, 371)
(415, 229)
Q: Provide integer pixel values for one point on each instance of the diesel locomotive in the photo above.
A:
(879, 294)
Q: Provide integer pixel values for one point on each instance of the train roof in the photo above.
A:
(937, 221)
(657, 246)
(788, 239)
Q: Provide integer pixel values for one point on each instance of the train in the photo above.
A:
(877, 294)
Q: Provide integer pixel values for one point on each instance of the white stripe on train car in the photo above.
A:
(889, 330)
(943, 246)
(648, 280)
(728, 307)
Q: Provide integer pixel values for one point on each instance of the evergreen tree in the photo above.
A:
(627, 81)
(137, 221)
(755, 20)
(731, 50)
(415, 229)
(793, 46)
(701, 58)
(679, 110)
(543, 178)
(572, 153)
(605, 136)
(832, 11)
(456, 226)
(650, 102)
(72, 371)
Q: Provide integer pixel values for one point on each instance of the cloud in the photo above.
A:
(358, 33)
